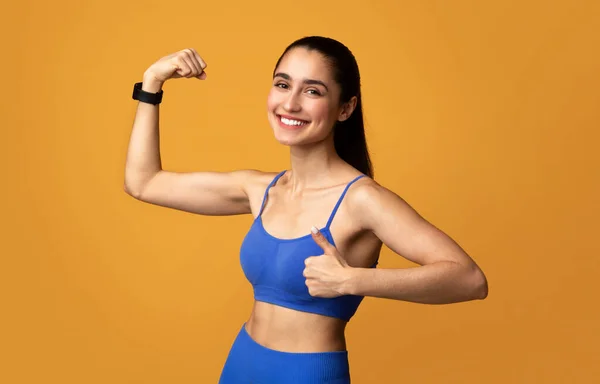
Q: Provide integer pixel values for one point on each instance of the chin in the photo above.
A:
(282, 135)
(288, 140)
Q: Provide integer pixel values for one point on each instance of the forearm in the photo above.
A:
(437, 283)
(143, 154)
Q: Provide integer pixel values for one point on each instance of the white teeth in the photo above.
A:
(291, 122)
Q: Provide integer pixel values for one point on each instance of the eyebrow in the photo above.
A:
(306, 81)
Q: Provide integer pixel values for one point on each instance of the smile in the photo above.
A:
(291, 123)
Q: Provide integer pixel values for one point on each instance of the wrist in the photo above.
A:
(150, 83)
(354, 276)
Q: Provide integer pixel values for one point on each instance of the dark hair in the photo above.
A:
(348, 135)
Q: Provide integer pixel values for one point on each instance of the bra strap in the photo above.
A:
(340, 200)
(267, 191)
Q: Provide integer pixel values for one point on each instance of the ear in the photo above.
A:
(347, 109)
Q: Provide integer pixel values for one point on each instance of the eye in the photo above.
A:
(314, 92)
(281, 85)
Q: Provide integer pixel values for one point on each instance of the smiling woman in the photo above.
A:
(316, 80)
(307, 284)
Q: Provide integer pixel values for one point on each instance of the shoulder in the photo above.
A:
(370, 202)
(255, 175)
(253, 179)
(367, 193)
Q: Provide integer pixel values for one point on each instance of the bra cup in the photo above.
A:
(287, 271)
(254, 254)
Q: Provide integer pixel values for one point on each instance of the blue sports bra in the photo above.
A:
(274, 267)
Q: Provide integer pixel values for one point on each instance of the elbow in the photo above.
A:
(135, 193)
(478, 284)
(134, 184)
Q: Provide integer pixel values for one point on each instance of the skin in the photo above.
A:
(369, 216)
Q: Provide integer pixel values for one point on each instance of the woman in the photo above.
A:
(307, 285)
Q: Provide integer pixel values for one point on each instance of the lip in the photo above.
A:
(291, 127)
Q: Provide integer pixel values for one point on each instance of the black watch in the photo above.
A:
(146, 97)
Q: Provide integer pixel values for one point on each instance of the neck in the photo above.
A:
(313, 164)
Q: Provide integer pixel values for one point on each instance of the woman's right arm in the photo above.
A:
(205, 193)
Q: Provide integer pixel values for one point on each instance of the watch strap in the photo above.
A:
(146, 97)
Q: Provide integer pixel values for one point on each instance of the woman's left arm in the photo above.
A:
(446, 274)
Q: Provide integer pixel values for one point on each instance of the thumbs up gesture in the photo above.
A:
(326, 274)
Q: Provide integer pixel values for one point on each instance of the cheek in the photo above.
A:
(321, 110)
(272, 100)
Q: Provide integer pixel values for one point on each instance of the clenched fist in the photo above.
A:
(185, 63)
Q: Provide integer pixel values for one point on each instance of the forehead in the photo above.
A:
(302, 63)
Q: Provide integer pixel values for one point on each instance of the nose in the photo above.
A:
(291, 103)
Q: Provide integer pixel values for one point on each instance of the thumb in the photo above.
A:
(321, 240)
(201, 76)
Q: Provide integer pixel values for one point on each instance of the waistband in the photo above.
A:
(309, 367)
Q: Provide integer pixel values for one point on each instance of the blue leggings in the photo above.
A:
(251, 363)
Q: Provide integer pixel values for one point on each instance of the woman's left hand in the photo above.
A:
(327, 274)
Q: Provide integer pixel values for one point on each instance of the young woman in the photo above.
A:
(312, 249)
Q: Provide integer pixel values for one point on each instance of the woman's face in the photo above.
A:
(303, 103)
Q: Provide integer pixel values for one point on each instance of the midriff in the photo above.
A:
(287, 330)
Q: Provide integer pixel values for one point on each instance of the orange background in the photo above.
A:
(483, 115)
